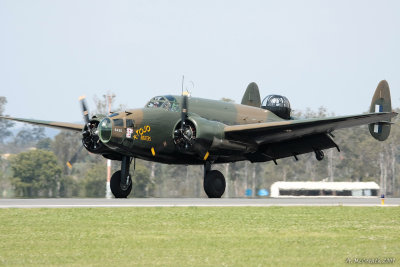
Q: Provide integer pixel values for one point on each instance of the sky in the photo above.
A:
(316, 53)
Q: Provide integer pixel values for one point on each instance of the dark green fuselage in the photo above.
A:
(153, 129)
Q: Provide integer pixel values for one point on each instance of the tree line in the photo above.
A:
(36, 166)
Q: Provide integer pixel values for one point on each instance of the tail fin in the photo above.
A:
(252, 96)
(381, 102)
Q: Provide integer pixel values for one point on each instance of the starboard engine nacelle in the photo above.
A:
(197, 136)
(381, 102)
(203, 137)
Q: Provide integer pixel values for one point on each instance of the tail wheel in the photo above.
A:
(319, 155)
(116, 187)
(214, 184)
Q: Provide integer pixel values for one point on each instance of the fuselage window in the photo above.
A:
(118, 123)
(129, 123)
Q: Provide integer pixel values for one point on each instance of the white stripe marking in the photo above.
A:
(376, 128)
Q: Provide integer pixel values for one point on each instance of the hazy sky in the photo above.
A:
(317, 53)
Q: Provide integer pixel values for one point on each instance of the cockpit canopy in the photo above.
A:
(277, 104)
(166, 102)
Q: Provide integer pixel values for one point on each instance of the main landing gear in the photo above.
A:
(121, 181)
(214, 182)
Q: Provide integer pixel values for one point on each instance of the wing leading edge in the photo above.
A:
(53, 124)
(272, 132)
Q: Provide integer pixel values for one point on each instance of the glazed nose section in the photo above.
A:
(105, 130)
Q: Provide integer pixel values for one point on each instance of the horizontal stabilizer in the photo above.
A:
(381, 102)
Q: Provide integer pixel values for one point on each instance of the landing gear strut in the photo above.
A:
(121, 181)
(319, 155)
(214, 182)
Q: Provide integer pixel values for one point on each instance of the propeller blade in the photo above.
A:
(85, 110)
(185, 137)
(184, 110)
(74, 157)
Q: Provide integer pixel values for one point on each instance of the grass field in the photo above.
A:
(195, 236)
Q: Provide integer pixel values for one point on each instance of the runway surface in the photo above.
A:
(193, 202)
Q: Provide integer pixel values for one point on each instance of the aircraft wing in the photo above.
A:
(53, 124)
(272, 132)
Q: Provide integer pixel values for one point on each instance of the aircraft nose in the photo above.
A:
(105, 130)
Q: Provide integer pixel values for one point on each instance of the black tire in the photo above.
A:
(214, 184)
(116, 187)
(319, 154)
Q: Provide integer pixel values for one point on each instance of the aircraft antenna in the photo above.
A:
(183, 81)
(187, 88)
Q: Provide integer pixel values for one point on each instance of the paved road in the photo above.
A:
(187, 202)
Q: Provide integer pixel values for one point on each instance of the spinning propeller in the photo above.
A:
(90, 137)
(185, 136)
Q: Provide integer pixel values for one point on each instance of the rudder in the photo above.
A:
(381, 102)
(252, 96)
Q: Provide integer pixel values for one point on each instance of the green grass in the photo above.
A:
(194, 236)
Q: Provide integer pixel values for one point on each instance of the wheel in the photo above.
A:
(116, 187)
(319, 154)
(214, 184)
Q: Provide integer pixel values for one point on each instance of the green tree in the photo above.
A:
(36, 173)
(27, 138)
(65, 145)
(4, 124)
(44, 144)
(142, 185)
(29, 135)
(5, 184)
(69, 186)
(94, 181)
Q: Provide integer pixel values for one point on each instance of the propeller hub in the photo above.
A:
(185, 137)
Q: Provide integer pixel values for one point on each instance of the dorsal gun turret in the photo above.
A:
(277, 104)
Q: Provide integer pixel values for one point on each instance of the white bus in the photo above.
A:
(325, 189)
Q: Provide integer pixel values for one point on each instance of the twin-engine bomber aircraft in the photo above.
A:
(188, 130)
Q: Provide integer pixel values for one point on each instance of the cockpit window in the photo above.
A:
(166, 102)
